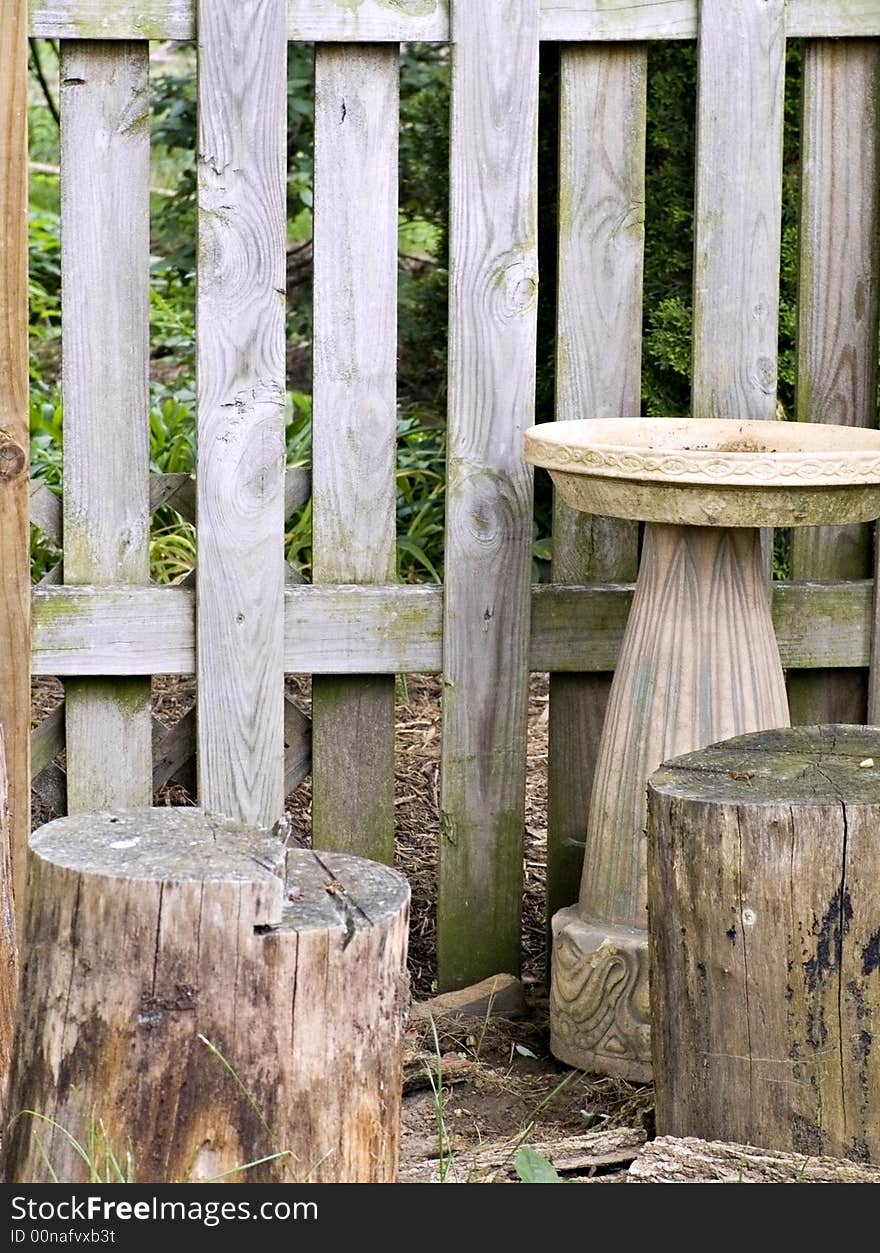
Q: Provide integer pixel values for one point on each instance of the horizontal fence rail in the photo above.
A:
(427, 21)
(397, 628)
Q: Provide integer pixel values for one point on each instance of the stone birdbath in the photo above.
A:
(698, 663)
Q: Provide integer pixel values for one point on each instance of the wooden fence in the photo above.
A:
(105, 629)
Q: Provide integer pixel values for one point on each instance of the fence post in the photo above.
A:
(15, 582)
(492, 327)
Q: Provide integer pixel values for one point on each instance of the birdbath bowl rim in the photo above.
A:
(712, 472)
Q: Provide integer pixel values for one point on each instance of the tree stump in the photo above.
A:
(197, 997)
(8, 945)
(764, 922)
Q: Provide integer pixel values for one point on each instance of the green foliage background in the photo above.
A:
(424, 195)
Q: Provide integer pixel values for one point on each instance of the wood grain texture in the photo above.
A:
(428, 20)
(241, 397)
(354, 424)
(763, 901)
(598, 374)
(737, 222)
(306, 20)
(174, 750)
(15, 577)
(599, 20)
(8, 944)
(105, 167)
(687, 1159)
(398, 629)
(698, 663)
(838, 312)
(292, 965)
(492, 322)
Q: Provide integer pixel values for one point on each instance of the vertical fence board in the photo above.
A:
(15, 578)
(838, 305)
(493, 289)
(598, 374)
(737, 225)
(354, 424)
(105, 167)
(242, 91)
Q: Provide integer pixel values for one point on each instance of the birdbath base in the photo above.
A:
(699, 663)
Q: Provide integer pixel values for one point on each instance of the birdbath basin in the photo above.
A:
(698, 662)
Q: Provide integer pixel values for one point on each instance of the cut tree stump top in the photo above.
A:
(789, 766)
(171, 844)
(165, 843)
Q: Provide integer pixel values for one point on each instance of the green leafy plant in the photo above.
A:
(531, 1167)
(445, 1154)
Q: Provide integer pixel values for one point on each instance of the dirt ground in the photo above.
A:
(486, 1085)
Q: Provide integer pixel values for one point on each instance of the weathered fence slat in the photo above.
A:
(493, 290)
(15, 581)
(598, 374)
(105, 164)
(354, 425)
(428, 20)
(738, 214)
(839, 305)
(241, 396)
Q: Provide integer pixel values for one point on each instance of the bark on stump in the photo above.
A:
(764, 921)
(668, 1160)
(196, 996)
(8, 946)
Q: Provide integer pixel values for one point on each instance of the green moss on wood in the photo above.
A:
(479, 914)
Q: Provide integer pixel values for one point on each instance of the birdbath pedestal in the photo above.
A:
(698, 663)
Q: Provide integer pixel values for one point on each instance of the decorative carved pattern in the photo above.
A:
(764, 468)
(599, 1006)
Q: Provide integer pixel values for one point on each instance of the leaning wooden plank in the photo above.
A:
(50, 786)
(688, 1160)
(598, 374)
(838, 311)
(175, 490)
(174, 750)
(15, 579)
(242, 89)
(47, 739)
(105, 248)
(354, 424)
(738, 213)
(46, 510)
(493, 300)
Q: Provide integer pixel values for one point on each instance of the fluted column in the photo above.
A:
(699, 663)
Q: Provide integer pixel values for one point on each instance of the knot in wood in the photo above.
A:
(13, 460)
